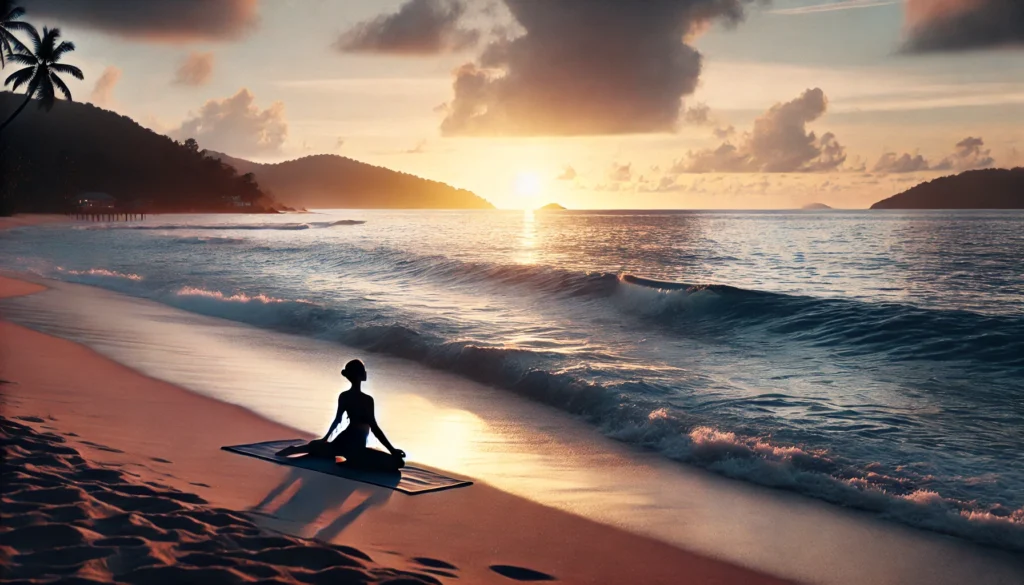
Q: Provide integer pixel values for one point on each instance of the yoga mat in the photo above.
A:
(408, 480)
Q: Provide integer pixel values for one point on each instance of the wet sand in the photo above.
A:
(135, 429)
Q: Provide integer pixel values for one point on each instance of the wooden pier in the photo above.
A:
(107, 215)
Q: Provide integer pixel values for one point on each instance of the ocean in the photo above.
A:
(873, 360)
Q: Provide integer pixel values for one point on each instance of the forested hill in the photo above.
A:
(48, 158)
(985, 189)
(330, 181)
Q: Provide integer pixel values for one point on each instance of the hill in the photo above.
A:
(815, 206)
(331, 181)
(551, 207)
(985, 189)
(47, 158)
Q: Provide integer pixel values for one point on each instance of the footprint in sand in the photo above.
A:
(101, 447)
(520, 573)
(160, 460)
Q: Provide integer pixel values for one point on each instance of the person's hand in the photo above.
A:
(398, 453)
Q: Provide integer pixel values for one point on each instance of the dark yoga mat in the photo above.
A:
(409, 480)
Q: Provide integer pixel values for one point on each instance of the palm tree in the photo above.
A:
(41, 73)
(9, 15)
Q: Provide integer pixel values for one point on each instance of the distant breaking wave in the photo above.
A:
(620, 411)
(229, 226)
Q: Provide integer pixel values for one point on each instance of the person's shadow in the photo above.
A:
(312, 503)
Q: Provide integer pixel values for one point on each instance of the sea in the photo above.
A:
(873, 360)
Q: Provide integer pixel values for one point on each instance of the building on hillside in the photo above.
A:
(95, 201)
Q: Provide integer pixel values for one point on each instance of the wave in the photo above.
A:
(849, 328)
(621, 411)
(208, 240)
(230, 226)
(102, 272)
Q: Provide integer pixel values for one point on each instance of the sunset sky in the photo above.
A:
(604, 104)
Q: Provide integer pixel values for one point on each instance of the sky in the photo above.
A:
(704, 104)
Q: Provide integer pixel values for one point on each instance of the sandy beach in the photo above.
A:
(71, 412)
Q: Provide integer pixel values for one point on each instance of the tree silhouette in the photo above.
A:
(41, 74)
(9, 15)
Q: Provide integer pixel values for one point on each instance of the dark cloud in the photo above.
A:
(568, 174)
(196, 70)
(890, 162)
(102, 92)
(420, 27)
(236, 126)
(970, 153)
(697, 115)
(958, 25)
(778, 143)
(579, 68)
(177, 21)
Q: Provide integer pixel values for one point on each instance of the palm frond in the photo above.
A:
(63, 47)
(14, 13)
(20, 77)
(16, 25)
(68, 70)
(33, 36)
(22, 58)
(59, 83)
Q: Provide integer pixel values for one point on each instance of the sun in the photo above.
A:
(528, 185)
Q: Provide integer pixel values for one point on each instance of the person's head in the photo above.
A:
(354, 371)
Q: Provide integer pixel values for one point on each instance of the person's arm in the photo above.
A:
(377, 432)
(337, 417)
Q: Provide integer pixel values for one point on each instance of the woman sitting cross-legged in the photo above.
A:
(351, 442)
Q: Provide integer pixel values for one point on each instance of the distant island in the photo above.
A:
(551, 207)
(331, 181)
(985, 189)
(816, 206)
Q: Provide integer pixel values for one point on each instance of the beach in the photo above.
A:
(141, 430)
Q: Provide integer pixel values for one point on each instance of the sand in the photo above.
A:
(116, 477)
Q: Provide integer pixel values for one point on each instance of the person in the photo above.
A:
(351, 442)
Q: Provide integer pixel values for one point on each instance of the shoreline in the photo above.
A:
(125, 421)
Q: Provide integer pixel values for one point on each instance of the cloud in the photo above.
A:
(420, 27)
(102, 92)
(958, 25)
(178, 21)
(970, 153)
(196, 70)
(833, 6)
(339, 143)
(236, 125)
(724, 133)
(778, 143)
(568, 174)
(600, 67)
(697, 115)
(420, 148)
(621, 173)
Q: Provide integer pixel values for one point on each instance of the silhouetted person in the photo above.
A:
(351, 442)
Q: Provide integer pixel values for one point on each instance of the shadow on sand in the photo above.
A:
(314, 505)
